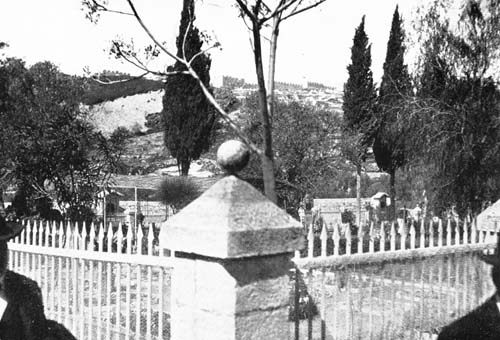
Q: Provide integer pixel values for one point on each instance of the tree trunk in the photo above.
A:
(184, 167)
(272, 64)
(267, 157)
(358, 195)
(392, 193)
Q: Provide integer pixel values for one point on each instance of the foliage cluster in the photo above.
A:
(188, 115)
(454, 117)
(122, 85)
(178, 191)
(47, 148)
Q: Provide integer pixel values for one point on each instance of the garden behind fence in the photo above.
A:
(384, 282)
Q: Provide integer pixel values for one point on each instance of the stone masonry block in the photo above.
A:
(263, 325)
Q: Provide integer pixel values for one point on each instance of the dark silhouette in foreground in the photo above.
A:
(22, 314)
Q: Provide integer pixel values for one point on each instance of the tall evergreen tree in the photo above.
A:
(358, 104)
(188, 115)
(389, 142)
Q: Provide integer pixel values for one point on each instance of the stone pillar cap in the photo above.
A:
(232, 219)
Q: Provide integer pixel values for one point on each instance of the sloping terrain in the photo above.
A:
(147, 154)
(128, 112)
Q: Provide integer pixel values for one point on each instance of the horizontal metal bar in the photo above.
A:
(134, 259)
(397, 255)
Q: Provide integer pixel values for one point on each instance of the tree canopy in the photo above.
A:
(358, 106)
(48, 149)
(389, 141)
(188, 115)
(455, 120)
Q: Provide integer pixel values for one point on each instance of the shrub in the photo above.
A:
(178, 191)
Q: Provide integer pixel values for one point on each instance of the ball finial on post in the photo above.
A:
(233, 156)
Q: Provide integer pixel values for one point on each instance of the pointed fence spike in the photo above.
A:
(140, 235)
(422, 233)
(128, 240)
(412, 235)
(382, 237)
(457, 232)
(28, 233)
(348, 239)
(39, 233)
(100, 238)
(393, 236)
(336, 239)
(371, 239)
(440, 233)
(465, 232)
(324, 240)
(60, 236)
(55, 234)
(119, 238)
(109, 238)
(151, 237)
(431, 233)
(360, 240)
(34, 235)
(310, 241)
(92, 236)
(473, 235)
(404, 234)
(76, 236)
(69, 235)
(83, 239)
(448, 232)
(47, 234)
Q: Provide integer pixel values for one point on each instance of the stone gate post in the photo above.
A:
(233, 254)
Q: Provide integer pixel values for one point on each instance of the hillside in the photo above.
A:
(96, 92)
(147, 154)
(129, 112)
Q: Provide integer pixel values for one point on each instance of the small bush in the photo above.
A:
(178, 191)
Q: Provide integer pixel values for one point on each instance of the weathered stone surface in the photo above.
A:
(262, 325)
(230, 299)
(231, 220)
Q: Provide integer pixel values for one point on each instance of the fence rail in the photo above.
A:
(102, 283)
(336, 240)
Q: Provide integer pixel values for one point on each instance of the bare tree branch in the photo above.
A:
(109, 81)
(295, 12)
(100, 7)
(244, 8)
(151, 36)
(185, 35)
(216, 45)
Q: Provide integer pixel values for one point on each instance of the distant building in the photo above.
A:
(333, 210)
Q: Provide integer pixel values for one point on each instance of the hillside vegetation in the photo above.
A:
(96, 92)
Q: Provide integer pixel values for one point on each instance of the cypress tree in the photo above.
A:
(358, 104)
(389, 146)
(188, 115)
(359, 91)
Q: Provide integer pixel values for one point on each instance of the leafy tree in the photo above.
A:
(51, 151)
(304, 145)
(456, 117)
(188, 114)
(358, 106)
(389, 142)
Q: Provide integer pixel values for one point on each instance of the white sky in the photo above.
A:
(314, 45)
